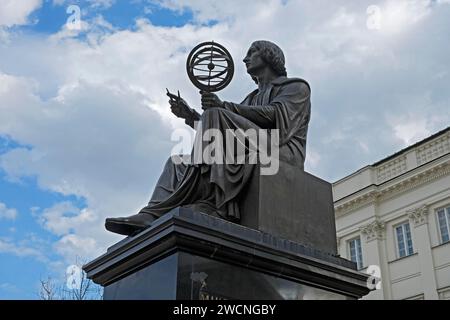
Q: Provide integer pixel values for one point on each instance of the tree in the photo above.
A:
(48, 289)
(76, 287)
(81, 289)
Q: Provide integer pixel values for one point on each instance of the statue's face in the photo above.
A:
(254, 61)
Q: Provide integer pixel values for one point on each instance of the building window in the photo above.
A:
(356, 252)
(444, 223)
(404, 240)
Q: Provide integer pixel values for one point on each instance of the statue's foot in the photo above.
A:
(129, 225)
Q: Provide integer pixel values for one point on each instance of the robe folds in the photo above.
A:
(214, 188)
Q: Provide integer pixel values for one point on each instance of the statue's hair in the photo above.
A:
(273, 55)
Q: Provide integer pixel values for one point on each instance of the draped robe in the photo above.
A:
(215, 188)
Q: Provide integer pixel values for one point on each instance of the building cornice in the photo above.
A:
(392, 188)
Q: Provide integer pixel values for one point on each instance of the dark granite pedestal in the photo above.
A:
(193, 256)
(291, 204)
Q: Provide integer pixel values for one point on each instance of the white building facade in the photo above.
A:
(393, 218)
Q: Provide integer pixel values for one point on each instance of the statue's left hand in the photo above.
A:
(210, 100)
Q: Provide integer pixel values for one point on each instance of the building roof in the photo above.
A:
(392, 156)
(411, 146)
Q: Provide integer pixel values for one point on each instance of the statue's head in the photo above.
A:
(264, 53)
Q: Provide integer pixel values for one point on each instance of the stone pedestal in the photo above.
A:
(292, 204)
(193, 256)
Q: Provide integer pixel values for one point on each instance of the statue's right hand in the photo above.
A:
(179, 106)
(180, 109)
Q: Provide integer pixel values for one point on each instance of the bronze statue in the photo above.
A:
(279, 103)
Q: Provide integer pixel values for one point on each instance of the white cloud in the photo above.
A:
(107, 142)
(410, 130)
(412, 124)
(313, 160)
(96, 4)
(7, 213)
(73, 247)
(7, 246)
(398, 15)
(101, 3)
(64, 217)
(16, 12)
(9, 287)
(342, 18)
(67, 32)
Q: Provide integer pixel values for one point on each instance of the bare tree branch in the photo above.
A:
(84, 288)
(47, 289)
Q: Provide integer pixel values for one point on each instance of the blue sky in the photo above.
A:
(26, 194)
(122, 14)
(85, 127)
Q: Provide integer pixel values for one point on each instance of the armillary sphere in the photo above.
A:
(210, 66)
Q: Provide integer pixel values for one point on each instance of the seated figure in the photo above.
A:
(279, 103)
